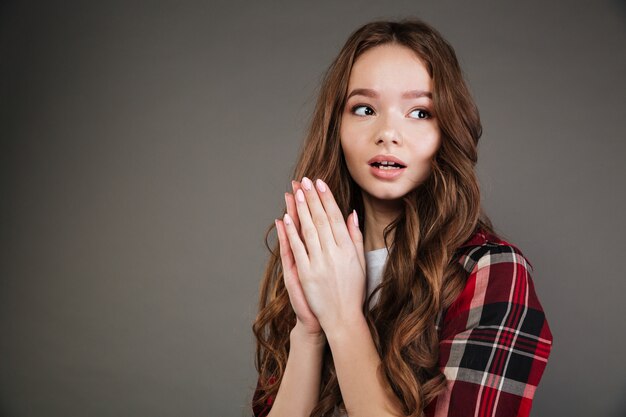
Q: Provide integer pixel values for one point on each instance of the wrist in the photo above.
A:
(300, 334)
(346, 328)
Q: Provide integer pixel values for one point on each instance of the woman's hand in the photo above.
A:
(330, 263)
(305, 317)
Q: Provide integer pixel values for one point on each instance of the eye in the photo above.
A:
(358, 106)
(422, 114)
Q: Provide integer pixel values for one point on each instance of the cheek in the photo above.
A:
(434, 148)
(432, 144)
(347, 142)
(349, 154)
(426, 150)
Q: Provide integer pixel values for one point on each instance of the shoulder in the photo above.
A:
(499, 288)
(484, 249)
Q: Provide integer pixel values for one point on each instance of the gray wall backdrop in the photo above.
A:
(146, 147)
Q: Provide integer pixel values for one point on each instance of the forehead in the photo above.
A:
(389, 66)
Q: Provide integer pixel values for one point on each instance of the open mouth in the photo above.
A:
(387, 166)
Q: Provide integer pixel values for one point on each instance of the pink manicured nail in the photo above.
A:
(287, 218)
(300, 196)
(307, 184)
(320, 185)
(355, 218)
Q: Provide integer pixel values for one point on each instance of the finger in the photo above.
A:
(307, 227)
(286, 255)
(290, 202)
(335, 217)
(297, 247)
(356, 236)
(290, 276)
(319, 216)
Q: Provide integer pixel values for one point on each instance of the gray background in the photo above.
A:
(146, 148)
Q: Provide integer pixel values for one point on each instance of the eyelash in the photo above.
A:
(428, 115)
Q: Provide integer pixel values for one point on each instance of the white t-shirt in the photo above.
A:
(375, 262)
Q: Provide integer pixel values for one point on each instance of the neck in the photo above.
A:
(378, 215)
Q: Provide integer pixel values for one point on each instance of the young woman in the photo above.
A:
(414, 305)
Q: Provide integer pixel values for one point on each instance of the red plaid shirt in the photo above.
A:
(494, 339)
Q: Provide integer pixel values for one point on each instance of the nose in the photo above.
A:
(388, 134)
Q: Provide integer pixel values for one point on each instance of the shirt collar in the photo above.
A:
(481, 237)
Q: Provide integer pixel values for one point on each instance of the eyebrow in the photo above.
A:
(407, 94)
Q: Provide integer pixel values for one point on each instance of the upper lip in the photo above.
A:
(390, 158)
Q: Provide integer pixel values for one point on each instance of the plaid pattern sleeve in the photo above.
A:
(494, 339)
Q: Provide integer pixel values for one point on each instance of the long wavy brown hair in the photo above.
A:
(422, 276)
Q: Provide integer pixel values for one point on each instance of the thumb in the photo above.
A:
(357, 236)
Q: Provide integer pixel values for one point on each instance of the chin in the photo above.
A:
(387, 192)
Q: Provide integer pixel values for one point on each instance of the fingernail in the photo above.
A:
(355, 218)
(320, 185)
(293, 186)
(307, 184)
(300, 196)
(287, 218)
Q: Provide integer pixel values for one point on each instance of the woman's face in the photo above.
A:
(389, 113)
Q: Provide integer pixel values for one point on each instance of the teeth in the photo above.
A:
(387, 165)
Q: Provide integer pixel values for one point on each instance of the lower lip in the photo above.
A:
(386, 174)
